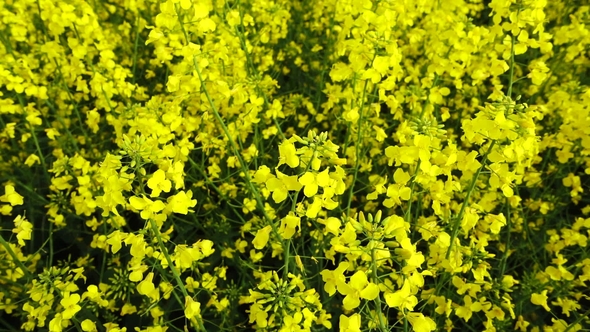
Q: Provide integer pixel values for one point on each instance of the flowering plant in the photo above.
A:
(282, 165)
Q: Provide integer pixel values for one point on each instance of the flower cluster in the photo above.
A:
(283, 165)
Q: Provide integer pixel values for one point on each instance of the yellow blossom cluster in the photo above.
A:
(278, 165)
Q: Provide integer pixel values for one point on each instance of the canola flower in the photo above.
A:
(276, 165)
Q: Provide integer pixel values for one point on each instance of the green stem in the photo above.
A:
(357, 146)
(135, 46)
(72, 100)
(253, 71)
(507, 249)
(409, 211)
(382, 323)
(172, 268)
(17, 261)
(251, 187)
(457, 224)
(406, 325)
(236, 152)
(511, 68)
(581, 318)
(41, 158)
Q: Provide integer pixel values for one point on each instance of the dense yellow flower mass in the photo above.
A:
(280, 165)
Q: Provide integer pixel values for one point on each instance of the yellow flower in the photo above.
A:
(92, 120)
(567, 305)
(421, 323)
(147, 207)
(146, 287)
(324, 319)
(540, 299)
(288, 154)
(470, 219)
(93, 293)
(70, 304)
(258, 315)
(350, 324)
(184, 256)
(261, 238)
(115, 240)
(539, 72)
(332, 225)
(351, 115)
(206, 25)
(312, 181)
(248, 205)
(289, 225)
(399, 189)
(340, 72)
(275, 110)
(56, 324)
(291, 323)
(11, 196)
(262, 175)
(185, 4)
(51, 133)
(88, 326)
(138, 245)
(281, 185)
(521, 324)
(23, 230)
(408, 252)
(437, 94)
(334, 279)
(181, 202)
(158, 183)
(31, 160)
(191, 307)
(358, 287)
(402, 299)
(128, 309)
(466, 311)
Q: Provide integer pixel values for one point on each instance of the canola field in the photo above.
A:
(285, 165)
